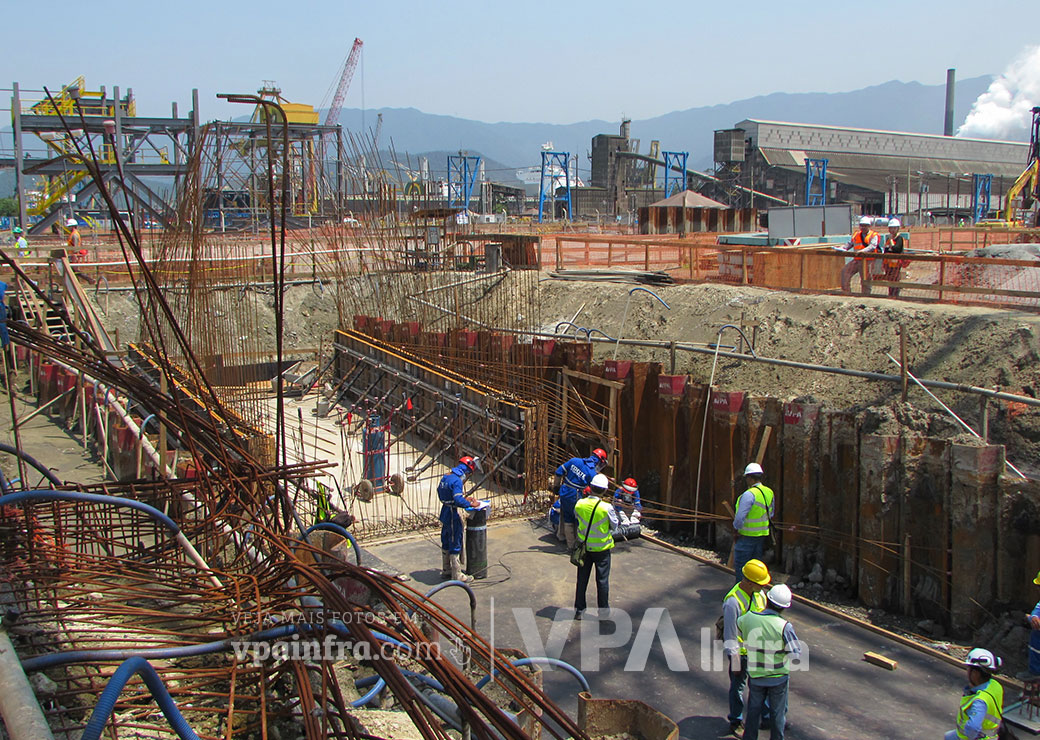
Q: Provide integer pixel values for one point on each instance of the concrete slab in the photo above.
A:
(530, 580)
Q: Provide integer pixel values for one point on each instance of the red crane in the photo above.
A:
(332, 117)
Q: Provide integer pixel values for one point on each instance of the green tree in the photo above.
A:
(8, 206)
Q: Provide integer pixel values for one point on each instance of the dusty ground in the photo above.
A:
(990, 348)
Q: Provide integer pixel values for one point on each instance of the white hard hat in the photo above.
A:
(754, 469)
(982, 659)
(780, 595)
(599, 481)
(866, 221)
(894, 222)
(72, 222)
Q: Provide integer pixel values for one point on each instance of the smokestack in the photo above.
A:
(951, 75)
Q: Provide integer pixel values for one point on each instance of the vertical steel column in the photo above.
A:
(19, 156)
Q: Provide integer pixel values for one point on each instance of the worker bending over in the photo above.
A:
(629, 510)
(746, 596)
(983, 704)
(752, 520)
(453, 502)
(573, 477)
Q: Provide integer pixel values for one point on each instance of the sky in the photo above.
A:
(531, 61)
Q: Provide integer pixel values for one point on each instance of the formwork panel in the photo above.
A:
(839, 491)
(880, 482)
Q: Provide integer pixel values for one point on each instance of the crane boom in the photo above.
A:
(332, 117)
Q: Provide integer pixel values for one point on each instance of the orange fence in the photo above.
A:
(946, 277)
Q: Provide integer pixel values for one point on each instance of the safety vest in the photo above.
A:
(861, 242)
(992, 693)
(757, 522)
(324, 505)
(599, 538)
(745, 604)
(763, 636)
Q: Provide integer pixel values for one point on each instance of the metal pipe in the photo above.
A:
(22, 715)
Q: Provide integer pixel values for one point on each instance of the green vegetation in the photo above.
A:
(8, 206)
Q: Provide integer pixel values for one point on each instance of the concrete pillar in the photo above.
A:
(880, 485)
(973, 520)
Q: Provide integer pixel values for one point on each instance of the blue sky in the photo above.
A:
(532, 61)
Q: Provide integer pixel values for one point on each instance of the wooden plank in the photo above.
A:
(593, 379)
(953, 288)
(880, 660)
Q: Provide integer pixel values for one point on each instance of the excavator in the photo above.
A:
(1027, 185)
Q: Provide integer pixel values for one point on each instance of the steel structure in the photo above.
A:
(675, 161)
(981, 186)
(462, 175)
(815, 182)
(71, 126)
(332, 117)
(547, 188)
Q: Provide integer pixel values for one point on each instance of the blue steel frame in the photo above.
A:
(674, 159)
(462, 174)
(561, 159)
(815, 171)
(981, 185)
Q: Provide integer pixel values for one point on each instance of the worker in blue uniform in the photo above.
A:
(453, 502)
(571, 479)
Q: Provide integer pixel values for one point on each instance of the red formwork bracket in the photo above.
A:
(502, 342)
(579, 351)
(617, 369)
(362, 322)
(413, 328)
(727, 402)
(467, 339)
(544, 347)
(386, 328)
(438, 338)
(671, 385)
(799, 413)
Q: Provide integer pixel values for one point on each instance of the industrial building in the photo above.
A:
(878, 172)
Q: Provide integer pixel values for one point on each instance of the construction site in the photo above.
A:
(241, 356)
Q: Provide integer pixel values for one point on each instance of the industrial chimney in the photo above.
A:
(951, 75)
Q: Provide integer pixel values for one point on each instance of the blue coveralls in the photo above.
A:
(449, 491)
(577, 474)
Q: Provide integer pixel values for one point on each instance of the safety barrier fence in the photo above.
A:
(946, 277)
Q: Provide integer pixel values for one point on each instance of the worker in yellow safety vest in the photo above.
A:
(752, 518)
(983, 703)
(747, 595)
(596, 519)
(771, 643)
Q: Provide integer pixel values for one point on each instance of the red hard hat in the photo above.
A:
(630, 485)
(469, 462)
(601, 454)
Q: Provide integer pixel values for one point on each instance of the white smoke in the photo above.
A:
(1004, 111)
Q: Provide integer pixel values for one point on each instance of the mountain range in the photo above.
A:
(892, 106)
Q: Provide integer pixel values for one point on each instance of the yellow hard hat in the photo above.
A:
(756, 572)
(1037, 579)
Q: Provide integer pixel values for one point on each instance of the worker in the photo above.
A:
(595, 519)
(894, 244)
(1032, 672)
(864, 240)
(752, 519)
(982, 705)
(771, 642)
(21, 246)
(453, 502)
(629, 509)
(75, 239)
(571, 478)
(746, 596)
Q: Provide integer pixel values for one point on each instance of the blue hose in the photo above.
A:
(50, 660)
(380, 684)
(40, 467)
(333, 527)
(468, 589)
(542, 661)
(47, 494)
(107, 702)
